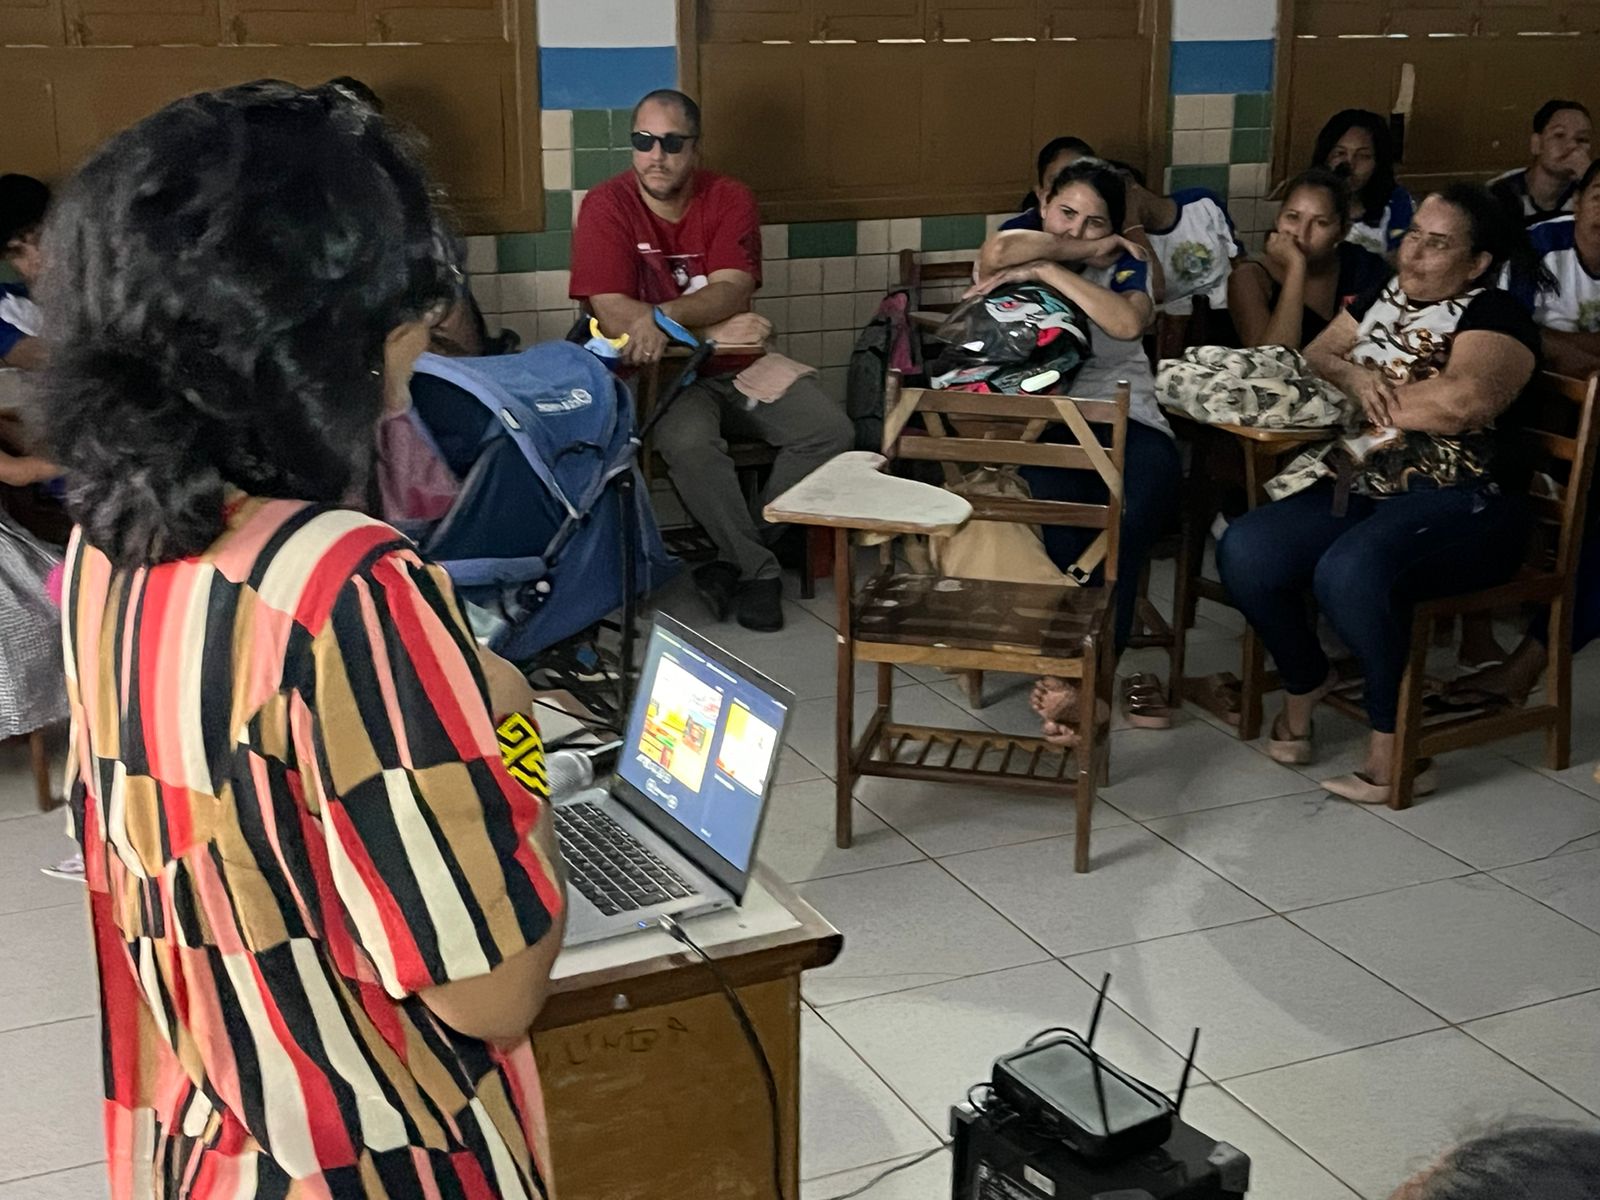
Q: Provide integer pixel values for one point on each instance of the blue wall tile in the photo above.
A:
(1207, 67)
(606, 76)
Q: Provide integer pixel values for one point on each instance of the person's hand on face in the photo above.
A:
(646, 341)
(741, 329)
(1282, 249)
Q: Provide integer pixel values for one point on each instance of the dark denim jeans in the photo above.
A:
(1367, 568)
(1152, 476)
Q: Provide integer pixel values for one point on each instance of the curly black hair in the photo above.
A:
(220, 281)
(1518, 1161)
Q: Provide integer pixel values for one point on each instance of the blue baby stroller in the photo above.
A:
(551, 530)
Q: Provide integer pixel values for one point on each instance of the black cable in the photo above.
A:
(882, 1175)
(666, 922)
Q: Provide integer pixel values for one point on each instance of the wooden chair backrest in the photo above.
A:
(963, 430)
(1557, 425)
(916, 275)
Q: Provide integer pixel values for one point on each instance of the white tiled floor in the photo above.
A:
(1370, 985)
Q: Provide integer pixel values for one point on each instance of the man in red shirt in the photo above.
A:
(667, 234)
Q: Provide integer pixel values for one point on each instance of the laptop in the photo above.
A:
(674, 830)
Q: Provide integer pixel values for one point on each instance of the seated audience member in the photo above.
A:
(669, 234)
(23, 203)
(1566, 307)
(1191, 240)
(1053, 155)
(1518, 1161)
(1560, 150)
(1308, 269)
(1357, 144)
(1434, 357)
(1081, 254)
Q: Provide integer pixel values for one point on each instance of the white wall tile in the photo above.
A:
(486, 291)
(1188, 146)
(834, 380)
(775, 278)
(555, 129)
(838, 274)
(774, 241)
(482, 255)
(553, 289)
(866, 307)
(905, 233)
(577, 206)
(519, 291)
(557, 170)
(805, 276)
(872, 272)
(1220, 20)
(1217, 145)
(553, 325)
(872, 237)
(805, 314)
(1241, 183)
(836, 346)
(586, 23)
(805, 347)
(524, 324)
(774, 309)
(1219, 111)
(1188, 112)
(839, 311)
(992, 223)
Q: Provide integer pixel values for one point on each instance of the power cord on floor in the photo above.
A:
(882, 1175)
(675, 930)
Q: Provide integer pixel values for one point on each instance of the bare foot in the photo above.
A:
(1048, 693)
(1511, 681)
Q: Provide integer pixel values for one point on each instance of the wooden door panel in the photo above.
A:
(292, 22)
(981, 20)
(1093, 18)
(1330, 18)
(871, 145)
(754, 109)
(976, 137)
(1423, 17)
(31, 23)
(867, 20)
(754, 20)
(142, 22)
(404, 21)
(1096, 91)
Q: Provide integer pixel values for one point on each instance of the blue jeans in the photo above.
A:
(1366, 568)
(1152, 475)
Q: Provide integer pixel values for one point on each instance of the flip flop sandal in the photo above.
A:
(1144, 702)
(1359, 787)
(1290, 751)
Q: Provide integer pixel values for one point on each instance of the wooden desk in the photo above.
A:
(651, 1089)
(1244, 456)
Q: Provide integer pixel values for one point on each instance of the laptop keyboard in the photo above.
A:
(612, 868)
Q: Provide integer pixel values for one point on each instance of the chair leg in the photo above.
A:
(844, 727)
(1088, 755)
(974, 682)
(1408, 726)
(1252, 683)
(41, 770)
(1558, 688)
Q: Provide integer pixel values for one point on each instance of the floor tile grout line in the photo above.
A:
(876, 1074)
(53, 1171)
(1267, 1121)
(1526, 1071)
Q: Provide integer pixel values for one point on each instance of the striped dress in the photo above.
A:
(294, 818)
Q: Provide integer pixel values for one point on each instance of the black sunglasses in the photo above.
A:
(672, 143)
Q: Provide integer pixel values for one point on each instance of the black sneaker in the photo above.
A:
(761, 605)
(718, 584)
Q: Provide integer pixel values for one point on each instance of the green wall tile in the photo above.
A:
(590, 167)
(516, 252)
(621, 126)
(1214, 177)
(621, 160)
(591, 128)
(1252, 110)
(554, 250)
(822, 239)
(953, 233)
(558, 210)
(1249, 146)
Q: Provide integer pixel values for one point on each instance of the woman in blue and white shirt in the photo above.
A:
(1356, 143)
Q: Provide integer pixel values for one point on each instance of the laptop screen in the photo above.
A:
(702, 742)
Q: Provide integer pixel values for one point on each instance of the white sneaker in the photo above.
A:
(70, 869)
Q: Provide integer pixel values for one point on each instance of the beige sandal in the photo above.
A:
(1290, 751)
(1359, 787)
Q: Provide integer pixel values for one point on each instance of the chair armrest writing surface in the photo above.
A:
(852, 492)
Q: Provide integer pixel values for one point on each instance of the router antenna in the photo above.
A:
(1188, 1066)
(1099, 1003)
(1099, 1091)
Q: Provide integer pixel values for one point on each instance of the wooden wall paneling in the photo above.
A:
(867, 103)
(1331, 18)
(1581, 15)
(31, 147)
(746, 20)
(1521, 16)
(31, 23)
(292, 22)
(965, 89)
(754, 101)
(1328, 74)
(1095, 18)
(867, 20)
(439, 20)
(981, 20)
(142, 22)
(1424, 17)
(1097, 91)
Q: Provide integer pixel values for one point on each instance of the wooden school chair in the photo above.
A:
(1556, 425)
(900, 617)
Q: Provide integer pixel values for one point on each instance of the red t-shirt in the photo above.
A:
(621, 247)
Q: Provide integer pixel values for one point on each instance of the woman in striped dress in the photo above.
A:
(324, 915)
